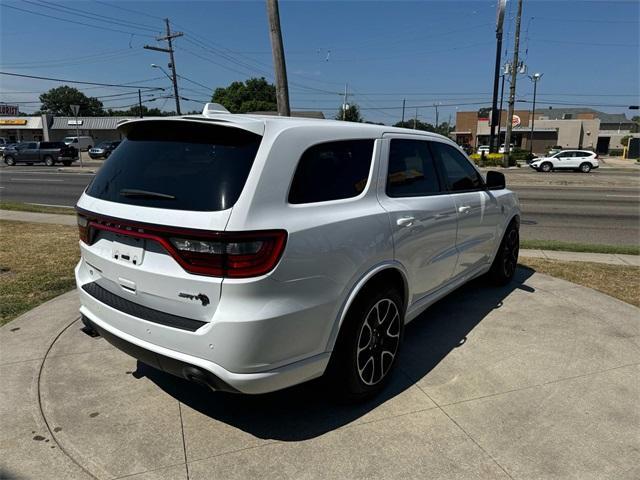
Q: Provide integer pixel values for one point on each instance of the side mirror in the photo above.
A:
(495, 180)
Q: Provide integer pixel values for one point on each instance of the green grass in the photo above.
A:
(36, 264)
(621, 282)
(27, 207)
(580, 247)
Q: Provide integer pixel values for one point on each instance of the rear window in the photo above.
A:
(177, 165)
(332, 171)
(52, 145)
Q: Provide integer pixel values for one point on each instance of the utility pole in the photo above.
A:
(345, 105)
(512, 87)
(403, 101)
(140, 102)
(494, 112)
(415, 119)
(75, 109)
(436, 105)
(534, 78)
(174, 77)
(277, 48)
(504, 73)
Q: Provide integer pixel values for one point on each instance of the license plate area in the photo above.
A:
(129, 250)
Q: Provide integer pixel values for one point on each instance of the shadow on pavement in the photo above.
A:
(308, 410)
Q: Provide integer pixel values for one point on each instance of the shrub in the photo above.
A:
(615, 152)
(490, 159)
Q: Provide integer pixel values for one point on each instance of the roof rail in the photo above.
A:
(213, 108)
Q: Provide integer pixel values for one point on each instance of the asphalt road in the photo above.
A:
(602, 207)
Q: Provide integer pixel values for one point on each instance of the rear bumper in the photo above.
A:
(205, 372)
(251, 354)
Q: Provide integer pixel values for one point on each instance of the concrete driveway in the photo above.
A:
(539, 379)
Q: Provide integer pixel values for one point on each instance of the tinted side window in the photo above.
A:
(32, 145)
(332, 171)
(459, 173)
(411, 169)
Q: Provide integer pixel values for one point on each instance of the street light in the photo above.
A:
(534, 78)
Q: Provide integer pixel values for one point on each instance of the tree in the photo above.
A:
(443, 129)
(484, 112)
(135, 112)
(351, 114)
(58, 101)
(253, 95)
(427, 127)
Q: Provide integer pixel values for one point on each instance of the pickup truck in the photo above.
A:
(48, 153)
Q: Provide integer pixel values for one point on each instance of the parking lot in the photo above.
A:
(535, 380)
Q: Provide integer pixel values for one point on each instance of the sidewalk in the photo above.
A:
(34, 217)
(609, 258)
(618, 162)
(537, 378)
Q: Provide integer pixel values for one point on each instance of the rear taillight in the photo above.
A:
(83, 228)
(218, 254)
(234, 255)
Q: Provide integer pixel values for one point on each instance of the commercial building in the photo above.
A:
(567, 128)
(17, 129)
(49, 128)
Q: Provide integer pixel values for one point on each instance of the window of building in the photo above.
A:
(460, 175)
(332, 171)
(411, 171)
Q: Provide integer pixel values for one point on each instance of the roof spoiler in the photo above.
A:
(213, 109)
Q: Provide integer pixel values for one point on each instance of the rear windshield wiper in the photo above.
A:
(132, 192)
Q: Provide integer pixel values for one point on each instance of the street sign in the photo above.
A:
(75, 109)
(9, 109)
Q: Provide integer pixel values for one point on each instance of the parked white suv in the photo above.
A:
(580, 160)
(251, 253)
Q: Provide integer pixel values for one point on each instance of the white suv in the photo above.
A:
(251, 253)
(580, 160)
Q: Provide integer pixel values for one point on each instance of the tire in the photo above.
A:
(546, 167)
(367, 348)
(49, 161)
(585, 167)
(9, 161)
(504, 265)
(66, 163)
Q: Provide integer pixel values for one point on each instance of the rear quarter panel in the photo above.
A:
(330, 245)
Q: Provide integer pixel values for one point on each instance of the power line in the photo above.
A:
(65, 59)
(131, 10)
(91, 16)
(584, 20)
(591, 44)
(195, 83)
(85, 61)
(74, 22)
(79, 82)
(561, 102)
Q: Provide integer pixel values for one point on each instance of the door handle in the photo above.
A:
(405, 221)
(464, 209)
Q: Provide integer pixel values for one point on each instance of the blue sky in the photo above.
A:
(427, 52)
